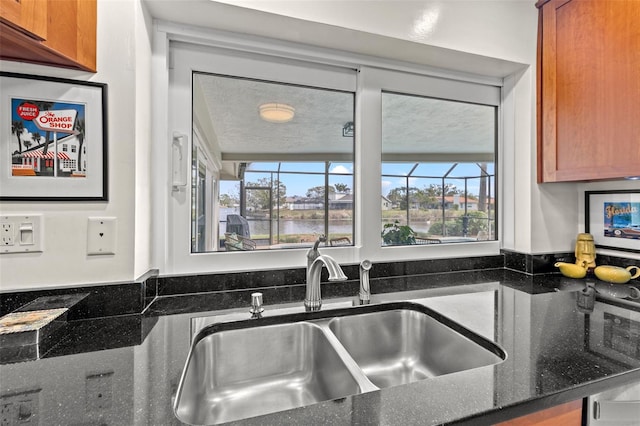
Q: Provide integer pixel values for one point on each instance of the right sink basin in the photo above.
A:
(400, 346)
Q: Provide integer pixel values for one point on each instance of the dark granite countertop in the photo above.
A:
(125, 370)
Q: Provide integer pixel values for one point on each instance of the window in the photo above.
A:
(64, 147)
(438, 170)
(405, 147)
(284, 181)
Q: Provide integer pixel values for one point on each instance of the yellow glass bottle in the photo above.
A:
(585, 250)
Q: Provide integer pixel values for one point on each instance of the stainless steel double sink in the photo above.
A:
(249, 368)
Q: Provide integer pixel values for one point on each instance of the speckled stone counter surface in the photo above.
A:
(125, 370)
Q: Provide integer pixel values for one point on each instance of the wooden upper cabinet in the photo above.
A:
(49, 32)
(29, 16)
(588, 90)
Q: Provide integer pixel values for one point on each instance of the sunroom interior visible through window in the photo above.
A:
(272, 165)
(438, 171)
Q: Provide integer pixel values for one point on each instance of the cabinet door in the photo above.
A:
(68, 40)
(589, 90)
(28, 16)
(569, 414)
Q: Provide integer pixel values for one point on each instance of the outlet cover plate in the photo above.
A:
(101, 235)
(21, 408)
(21, 233)
(99, 391)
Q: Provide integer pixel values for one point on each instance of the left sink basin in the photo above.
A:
(260, 370)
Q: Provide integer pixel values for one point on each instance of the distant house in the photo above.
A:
(302, 203)
(458, 202)
(341, 202)
(386, 203)
(336, 202)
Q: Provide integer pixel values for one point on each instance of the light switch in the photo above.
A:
(26, 234)
(101, 235)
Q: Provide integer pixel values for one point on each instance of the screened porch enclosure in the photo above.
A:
(456, 205)
(289, 205)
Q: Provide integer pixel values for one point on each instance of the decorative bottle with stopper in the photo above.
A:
(585, 251)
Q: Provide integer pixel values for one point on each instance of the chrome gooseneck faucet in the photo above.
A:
(315, 261)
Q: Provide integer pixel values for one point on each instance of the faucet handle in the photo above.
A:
(321, 239)
(365, 265)
(256, 305)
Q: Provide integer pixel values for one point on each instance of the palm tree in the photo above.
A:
(482, 202)
(342, 188)
(79, 127)
(17, 126)
(45, 106)
(36, 136)
(27, 144)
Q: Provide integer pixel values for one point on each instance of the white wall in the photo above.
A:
(143, 143)
(123, 63)
(502, 29)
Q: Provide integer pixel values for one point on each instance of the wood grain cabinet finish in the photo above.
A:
(58, 33)
(28, 16)
(569, 414)
(588, 90)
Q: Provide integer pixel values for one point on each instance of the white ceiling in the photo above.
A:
(411, 125)
(233, 107)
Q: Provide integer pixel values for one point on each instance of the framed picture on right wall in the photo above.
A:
(613, 218)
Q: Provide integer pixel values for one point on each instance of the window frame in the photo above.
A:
(416, 162)
(372, 83)
(171, 240)
(187, 59)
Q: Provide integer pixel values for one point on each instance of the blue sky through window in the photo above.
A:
(298, 183)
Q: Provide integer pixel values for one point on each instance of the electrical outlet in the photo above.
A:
(101, 235)
(21, 233)
(20, 408)
(27, 412)
(7, 234)
(7, 414)
(99, 391)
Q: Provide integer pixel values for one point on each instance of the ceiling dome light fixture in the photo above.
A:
(277, 113)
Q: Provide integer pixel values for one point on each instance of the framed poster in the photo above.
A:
(613, 218)
(53, 139)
